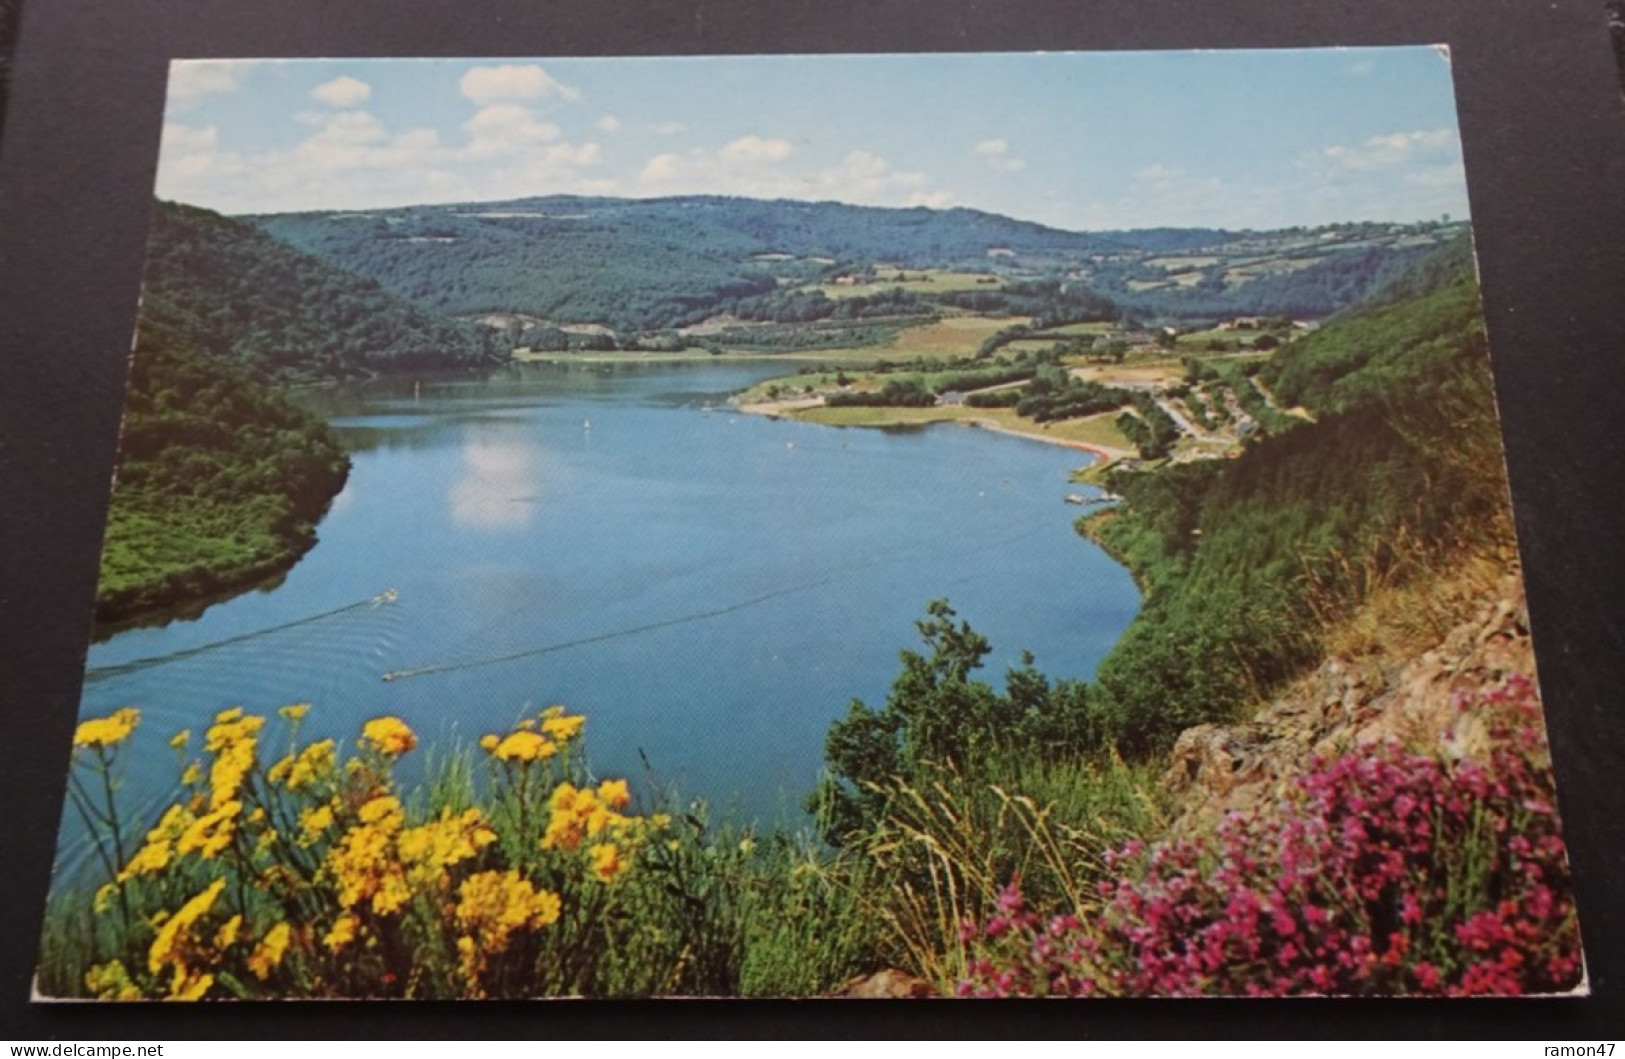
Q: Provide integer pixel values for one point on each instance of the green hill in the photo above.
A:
(227, 290)
(220, 482)
(1243, 561)
(647, 264)
(641, 264)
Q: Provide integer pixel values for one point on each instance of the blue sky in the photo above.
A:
(1241, 139)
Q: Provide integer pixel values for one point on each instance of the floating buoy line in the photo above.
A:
(684, 619)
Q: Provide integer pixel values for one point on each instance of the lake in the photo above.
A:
(710, 588)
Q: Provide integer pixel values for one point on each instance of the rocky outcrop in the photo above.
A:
(1344, 703)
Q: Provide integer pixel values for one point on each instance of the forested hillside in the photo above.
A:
(1395, 341)
(1242, 560)
(220, 481)
(1323, 285)
(643, 265)
(633, 264)
(225, 289)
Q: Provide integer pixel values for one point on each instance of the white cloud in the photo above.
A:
(999, 159)
(609, 123)
(495, 84)
(351, 159)
(506, 128)
(662, 169)
(191, 78)
(1450, 176)
(342, 92)
(1394, 149)
(753, 150)
(351, 128)
(189, 139)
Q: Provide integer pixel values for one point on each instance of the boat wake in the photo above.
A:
(96, 674)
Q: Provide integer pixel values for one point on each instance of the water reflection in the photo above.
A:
(498, 486)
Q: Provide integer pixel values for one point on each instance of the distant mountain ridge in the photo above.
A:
(646, 264)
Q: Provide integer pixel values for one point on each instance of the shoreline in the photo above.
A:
(1103, 454)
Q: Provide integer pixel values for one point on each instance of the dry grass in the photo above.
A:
(1403, 618)
(947, 845)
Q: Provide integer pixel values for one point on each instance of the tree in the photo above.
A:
(936, 715)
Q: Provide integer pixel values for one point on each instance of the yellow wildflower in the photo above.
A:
(278, 773)
(343, 932)
(314, 764)
(191, 774)
(160, 847)
(489, 743)
(581, 813)
(148, 860)
(228, 772)
(110, 981)
(383, 811)
(313, 822)
(104, 897)
(524, 747)
(107, 731)
(496, 904)
(267, 955)
(362, 863)
(563, 829)
(226, 936)
(606, 861)
(392, 895)
(181, 738)
(562, 728)
(526, 725)
(563, 798)
(231, 726)
(296, 712)
(388, 735)
(210, 834)
(172, 944)
(614, 793)
(435, 846)
(189, 987)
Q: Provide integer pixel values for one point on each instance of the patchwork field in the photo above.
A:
(918, 281)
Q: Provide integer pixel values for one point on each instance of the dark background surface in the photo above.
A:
(1543, 130)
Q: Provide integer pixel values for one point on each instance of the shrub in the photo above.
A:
(1384, 871)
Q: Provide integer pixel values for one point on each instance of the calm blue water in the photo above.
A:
(782, 564)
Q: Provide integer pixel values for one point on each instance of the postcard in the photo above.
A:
(891, 525)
